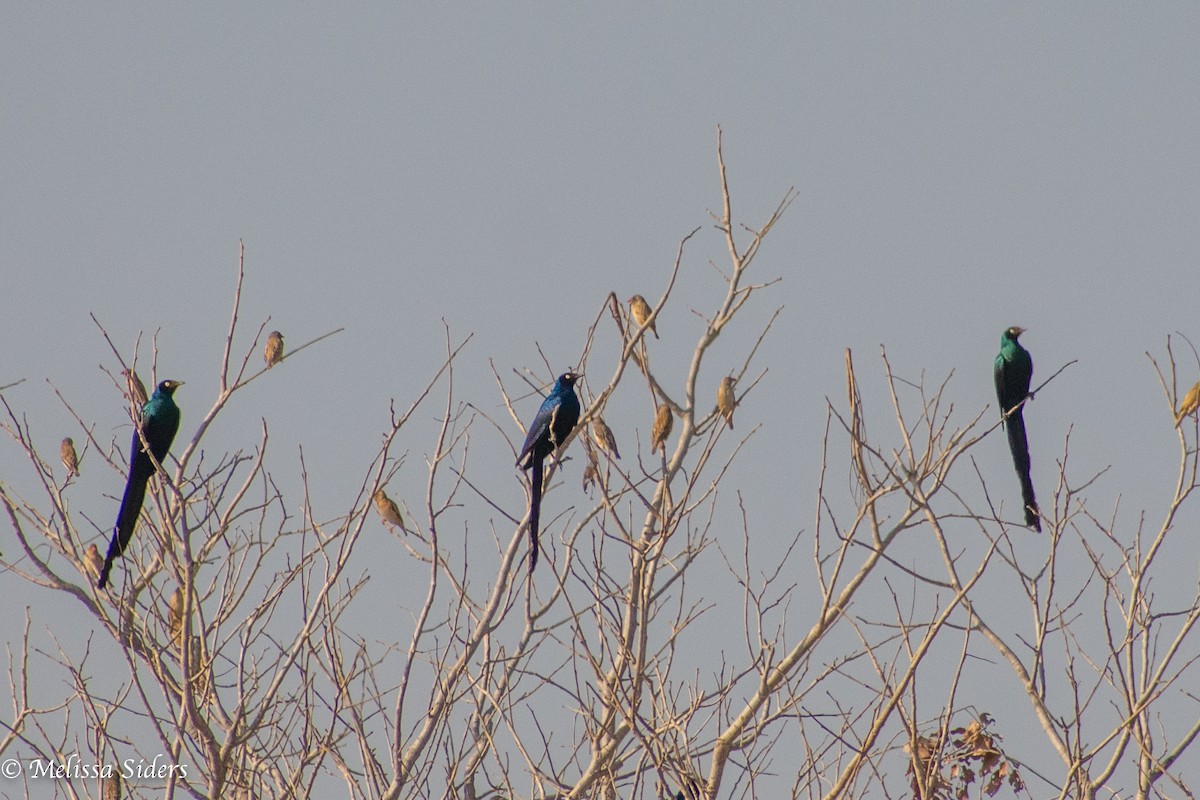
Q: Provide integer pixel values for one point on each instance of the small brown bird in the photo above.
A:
(93, 559)
(726, 399)
(603, 436)
(273, 353)
(110, 786)
(591, 473)
(389, 512)
(641, 312)
(66, 451)
(1191, 401)
(135, 389)
(198, 669)
(175, 611)
(664, 420)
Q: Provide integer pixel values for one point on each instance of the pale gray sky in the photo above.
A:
(959, 168)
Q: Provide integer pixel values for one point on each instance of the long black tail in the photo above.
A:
(127, 517)
(1019, 445)
(535, 511)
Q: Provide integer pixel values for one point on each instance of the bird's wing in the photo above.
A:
(1012, 383)
(1000, 383)
(539, 428)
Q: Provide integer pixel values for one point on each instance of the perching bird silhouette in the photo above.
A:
(93, 560)
(664, 420)
(1191, 401)
(726, 399)
(389, 512)
(135, 392)
(137, 389)
(1014, 371)
(604, 438)
(273, 352)
(159, 420)
(641, 312)
(555, 420)
(66, 451)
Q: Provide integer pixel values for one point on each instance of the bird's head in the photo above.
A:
(567, 379)
(168, 387)
(1013, 332)
(276, 335)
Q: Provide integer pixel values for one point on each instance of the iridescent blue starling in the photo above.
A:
(554, 422)
(159, 421)
(1014, 372)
